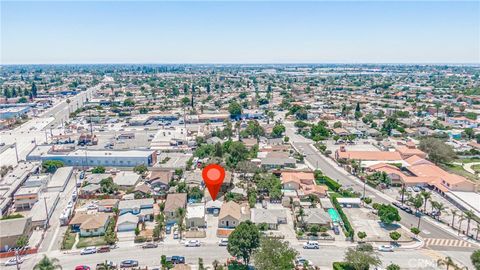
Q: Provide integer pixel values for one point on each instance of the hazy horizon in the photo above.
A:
(240, 32)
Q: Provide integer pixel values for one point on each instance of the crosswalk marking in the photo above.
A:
(446, 242)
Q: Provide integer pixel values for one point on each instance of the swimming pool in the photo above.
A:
(334, 215)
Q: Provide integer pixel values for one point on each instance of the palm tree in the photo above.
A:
(447, 261)
(180, 218)
(440, 208)
(402, 191)
(454, 213)
(47, 264)
(469, 215)
(426, 195)
(477, 229)
(104, 266)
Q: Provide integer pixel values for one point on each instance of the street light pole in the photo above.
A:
(46, 212)
(16, 150)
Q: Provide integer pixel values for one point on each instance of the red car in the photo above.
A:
(82, 267)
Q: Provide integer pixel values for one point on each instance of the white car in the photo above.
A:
(311, 245)
(13, 261)
(223, 242)
(192, 243)
(385, 248)
(88, 250)
(300, 261)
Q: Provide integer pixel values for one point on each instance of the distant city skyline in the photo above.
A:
(239, 32)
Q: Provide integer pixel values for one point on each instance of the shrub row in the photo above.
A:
(348, 227)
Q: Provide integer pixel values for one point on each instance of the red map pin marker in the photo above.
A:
(213, 176)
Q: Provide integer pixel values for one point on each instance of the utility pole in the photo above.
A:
(16, 150)
(46, 212)
(17, 258)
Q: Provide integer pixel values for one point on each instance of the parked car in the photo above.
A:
(150, 245)
(223, 242)
(300, 261)
(88, 250)
(416, 189)
(311, 245)
(192, 243)
(168, 229)
(129, 263)
(385, 248)
(13, 261)
(103, 249)
(176, 259)
(409, 210)
(83, 267)
(110, 264)
(336, 230)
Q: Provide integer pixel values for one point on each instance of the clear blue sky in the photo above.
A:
(240, 32)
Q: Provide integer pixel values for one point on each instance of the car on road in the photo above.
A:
(150, 245)
(103, 249)
(13, 261)
(223, 242)
(192, 243)
(311, 245)
(83, 267)
(176, 259)
(129, 263)
(88, 250)
(385, 248)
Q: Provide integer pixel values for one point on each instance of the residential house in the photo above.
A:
(126, 179)
(12, 230)
(142, 208)
(277, 160)
(107, 205)
(89, 224)
(195, 217)
(315, 216)
(127, 222)
(271, 217)
(303, 183)
(232, 213)
(160, 179)
(172, 203)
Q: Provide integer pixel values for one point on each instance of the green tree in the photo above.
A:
(244, 240)
(278, 130)
(447, 262)
(165, 264)
(361, 235)
(128, 102)
(47, 264)
(180, 214)
(140, 169)
(107, 186)
(395, 236)
(437, 151)
(415, 231)
(98, 170)
(417, 203)
(393, 267)
(235, 109)
(22, 241)
(51, 166)
(475, 258)
(426, 196)
(274, 254)
(388, 214)
(360, 259)
(33, 91)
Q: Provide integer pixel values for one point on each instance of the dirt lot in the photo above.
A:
(363, 220)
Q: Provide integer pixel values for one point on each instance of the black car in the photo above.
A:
(129, 263)
(176, 259)
(409, 210)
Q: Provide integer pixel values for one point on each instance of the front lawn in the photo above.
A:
(68, 240)
(91, 241)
